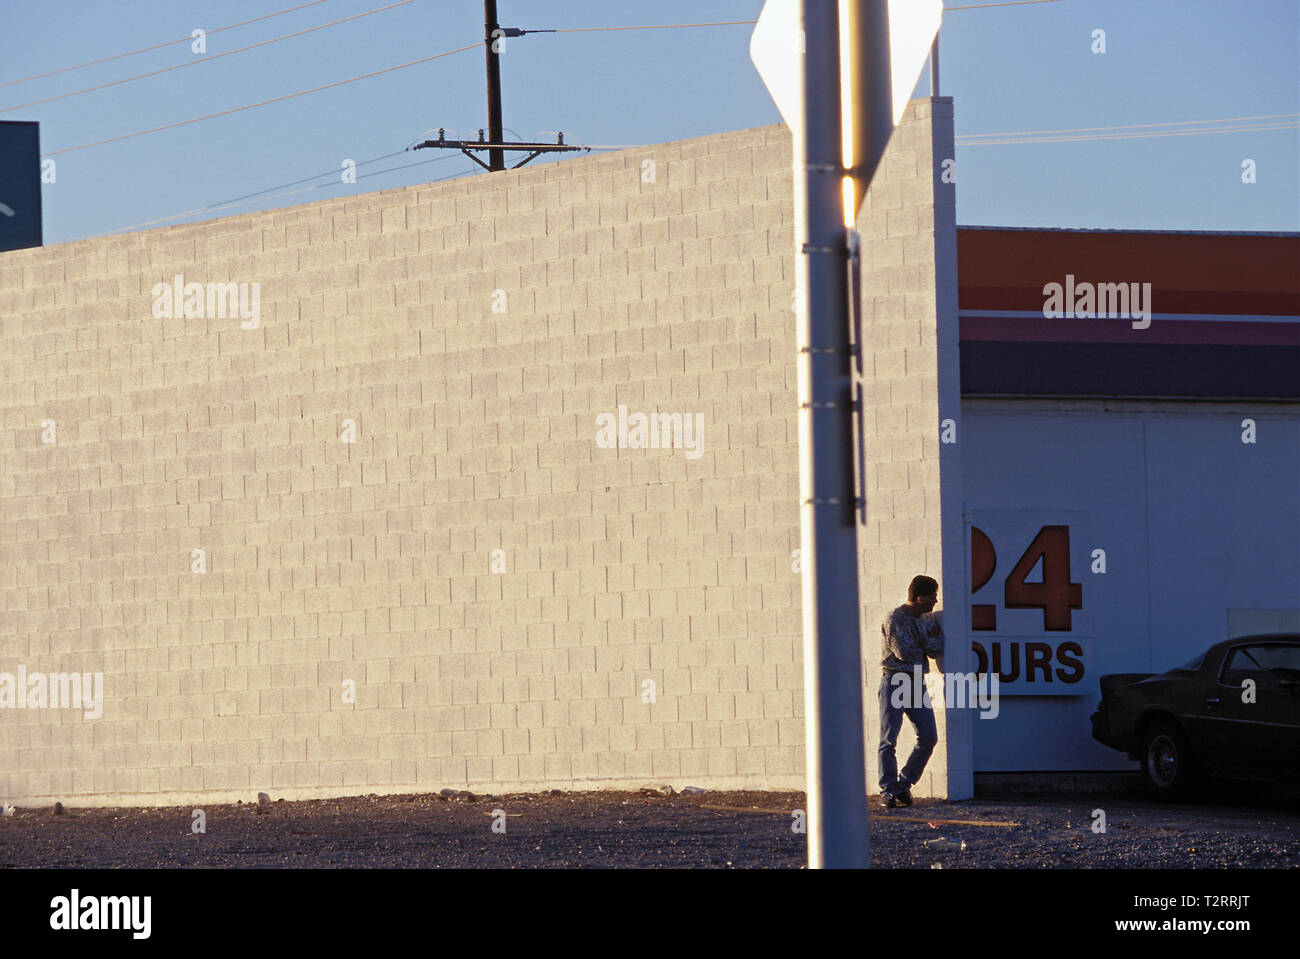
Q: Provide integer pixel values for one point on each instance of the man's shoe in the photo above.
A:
(902, 795)
(888, 800)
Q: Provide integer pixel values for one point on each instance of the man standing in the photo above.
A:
(910, 633)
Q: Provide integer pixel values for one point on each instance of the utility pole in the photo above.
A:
(491, 36)
(495, 146)
(834, 757)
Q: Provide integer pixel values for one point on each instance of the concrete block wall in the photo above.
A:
(473, 331)
(912, 389)
(499, 589)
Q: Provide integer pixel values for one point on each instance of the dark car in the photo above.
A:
(1205, 718)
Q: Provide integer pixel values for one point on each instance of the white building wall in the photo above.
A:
(1201, 533)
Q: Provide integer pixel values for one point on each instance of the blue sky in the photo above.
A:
(1009, 69)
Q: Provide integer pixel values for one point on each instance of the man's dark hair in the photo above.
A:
(920, 586)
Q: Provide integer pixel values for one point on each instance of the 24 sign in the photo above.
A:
(1055, 595)
(1027, 619)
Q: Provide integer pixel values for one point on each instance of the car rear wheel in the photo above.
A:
(1167, 764)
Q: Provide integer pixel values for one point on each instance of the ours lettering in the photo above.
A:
(1032, 661)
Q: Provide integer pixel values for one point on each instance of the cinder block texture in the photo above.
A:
(912, 423)
(420, 567)
(371, 537)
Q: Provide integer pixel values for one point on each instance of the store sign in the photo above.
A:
(1029, 611)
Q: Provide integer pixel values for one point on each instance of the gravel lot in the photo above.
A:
(628, 829)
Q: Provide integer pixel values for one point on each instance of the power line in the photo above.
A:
(1008, 3)
(657, 26)
(468, 171)
(1135, 131)
(206, 59)
(263, 103)
(305, 179)
(1261, 128)
(159, 46)
(734, 23)
(366, 76)
(244, 23)
(1128, 126)
(226, 204)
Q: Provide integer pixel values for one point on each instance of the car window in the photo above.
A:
(1259, 660)
(1276, 657)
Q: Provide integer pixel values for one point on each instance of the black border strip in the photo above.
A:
(1188, 371)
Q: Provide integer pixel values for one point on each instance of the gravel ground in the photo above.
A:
(630, 829)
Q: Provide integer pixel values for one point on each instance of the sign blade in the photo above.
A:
(775, 48)
(913, 25)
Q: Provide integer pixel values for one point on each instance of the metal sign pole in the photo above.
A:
(871, 91)
(835, 763)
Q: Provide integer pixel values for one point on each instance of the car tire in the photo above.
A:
(1168, 768)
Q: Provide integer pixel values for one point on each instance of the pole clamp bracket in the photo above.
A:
(836, 250)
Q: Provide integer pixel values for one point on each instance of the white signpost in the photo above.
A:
(797, 50)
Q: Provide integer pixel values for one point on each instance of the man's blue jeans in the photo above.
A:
(891, 721)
